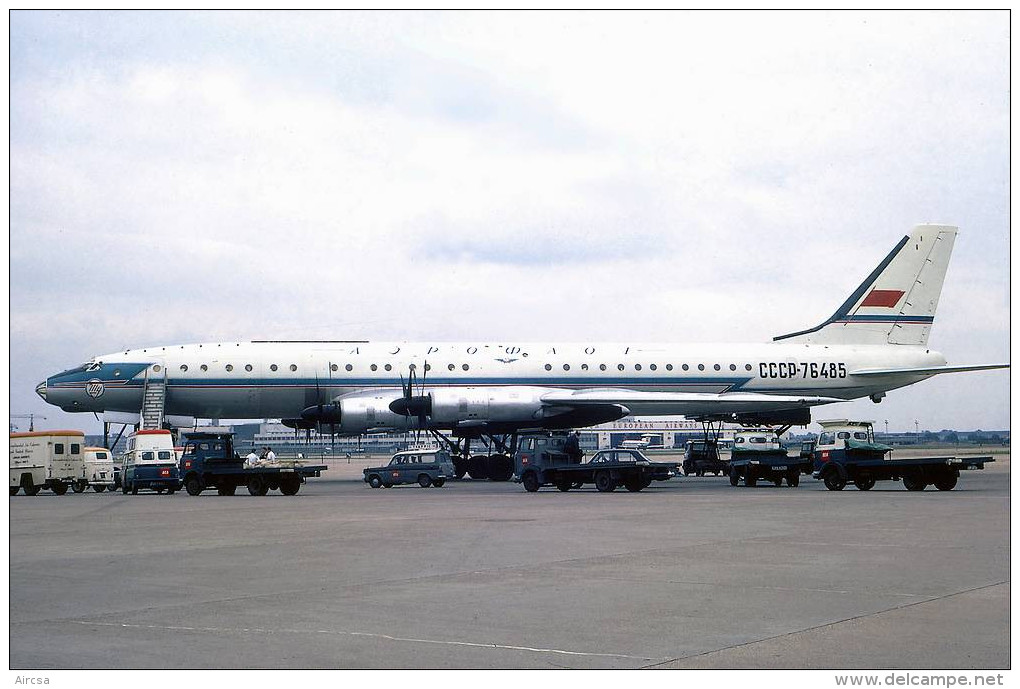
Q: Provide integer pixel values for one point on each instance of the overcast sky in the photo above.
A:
(191, 177)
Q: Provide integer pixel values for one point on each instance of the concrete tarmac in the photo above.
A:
(691, 573)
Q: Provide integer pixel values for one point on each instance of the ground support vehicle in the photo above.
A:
(541, 461)
(424, 467)
(97, 471)
(150, 463)
(209, 461)
(702, 457)
(759, 456)
(45, 459)
(846, 452)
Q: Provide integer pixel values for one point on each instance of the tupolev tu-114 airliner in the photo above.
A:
(876, 341)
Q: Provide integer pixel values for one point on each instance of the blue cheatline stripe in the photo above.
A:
(923, 320)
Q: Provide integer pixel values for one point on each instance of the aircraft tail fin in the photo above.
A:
(896, 303)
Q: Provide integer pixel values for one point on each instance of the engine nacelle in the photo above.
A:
(495, 405)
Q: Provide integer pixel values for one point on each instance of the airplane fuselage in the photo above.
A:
(279, 379)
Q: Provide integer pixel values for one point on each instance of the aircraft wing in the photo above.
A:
(685, 403)
(928, 370)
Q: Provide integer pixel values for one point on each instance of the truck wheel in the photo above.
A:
(226, 490)
(864, 482)
(530, 481)
(777, 482)
(193, 485)
(15, 489)
(576, 484)
(424, 481)
(124, 488)
(734, 476)
(834, 478)
(914, 481)
(134, 489)
(79, 486)
(563, 486)
(793, 479)
(32, 490)
(947, 481)
(439, 482)
(374, 481)
(290, 485)
(99, 489)
(59, 488)
(159, 490)
(256, 486)
(604, 482)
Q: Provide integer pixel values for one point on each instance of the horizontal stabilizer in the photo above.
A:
(927, 370)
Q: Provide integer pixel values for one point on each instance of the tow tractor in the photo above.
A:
(758, 454)
(209, 461)
(541, 459)
(846, 452)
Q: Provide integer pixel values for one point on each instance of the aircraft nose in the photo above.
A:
(40, 389)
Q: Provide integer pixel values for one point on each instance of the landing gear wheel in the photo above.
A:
(865, 482)
(424, 481)
(99, 489)
(604, 482)
(564, 486)
(460, 466)
(734, 477)
(634, 485)
(478, 467)
(374, 481)
(439, 482)
(59, 488)
(777, 482)
(226, 490)
(750, 480)
(500, 468)
(793, 479)
(530, 481)
(79, 486)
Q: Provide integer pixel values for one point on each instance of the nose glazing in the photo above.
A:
(40, 389)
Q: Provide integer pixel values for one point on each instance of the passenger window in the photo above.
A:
(147, 456)
(58, 448)
(163, 454)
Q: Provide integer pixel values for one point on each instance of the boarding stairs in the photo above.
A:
(153, 401)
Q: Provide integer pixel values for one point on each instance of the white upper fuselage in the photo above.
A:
(279, 379)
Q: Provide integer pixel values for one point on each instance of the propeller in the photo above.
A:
(322, 413)
(419, 405)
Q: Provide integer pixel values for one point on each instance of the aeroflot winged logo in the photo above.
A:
(95, 388)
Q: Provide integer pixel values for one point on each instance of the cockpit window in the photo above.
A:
(93, 366)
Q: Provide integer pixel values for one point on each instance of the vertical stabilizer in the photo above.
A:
(896, 303)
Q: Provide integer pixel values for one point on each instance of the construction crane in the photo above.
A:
(31, 420)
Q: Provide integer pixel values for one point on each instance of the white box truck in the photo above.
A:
(97, 471)
(46, 459)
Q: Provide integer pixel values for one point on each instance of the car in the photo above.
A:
(424, 467)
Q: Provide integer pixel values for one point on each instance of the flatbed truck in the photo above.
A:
(758, 455)
(209, 461)
(846, 452)
(541, 460)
